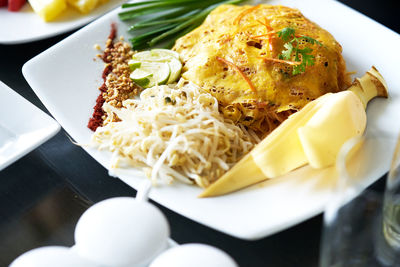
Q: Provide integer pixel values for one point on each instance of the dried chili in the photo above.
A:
(98, 113)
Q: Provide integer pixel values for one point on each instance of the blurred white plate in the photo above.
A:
(70, 92)
(23, 127)
(25, 26)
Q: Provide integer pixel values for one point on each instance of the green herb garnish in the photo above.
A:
(286, 33)
(291, 48)
(163, 21)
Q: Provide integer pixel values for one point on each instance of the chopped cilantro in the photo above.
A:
(291, 48)
(287, 53)
(286, 33)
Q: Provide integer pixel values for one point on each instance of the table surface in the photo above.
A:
(43, 194)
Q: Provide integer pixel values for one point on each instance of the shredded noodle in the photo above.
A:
(174, 132)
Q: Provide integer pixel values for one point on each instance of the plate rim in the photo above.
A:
(52, 125)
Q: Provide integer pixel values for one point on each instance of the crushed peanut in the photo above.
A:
(119, 85)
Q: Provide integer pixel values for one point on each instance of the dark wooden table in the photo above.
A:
(43, 194)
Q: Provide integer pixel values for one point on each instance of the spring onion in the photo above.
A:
(163, 21)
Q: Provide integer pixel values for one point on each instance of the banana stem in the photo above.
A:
(369, 86)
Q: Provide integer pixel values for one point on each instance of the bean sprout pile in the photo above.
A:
(173, 132)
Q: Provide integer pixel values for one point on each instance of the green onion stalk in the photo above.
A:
(155, 22)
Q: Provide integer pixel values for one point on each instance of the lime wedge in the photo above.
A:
(160, 52)
(156, 55)
(161, 72)
(134, 64)
(142, 56)
(176, 67)
(154, 72)
(164, 64)
(141, 77)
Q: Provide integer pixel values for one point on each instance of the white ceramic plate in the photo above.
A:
(70, 92)
(23, 127)
(25, 26)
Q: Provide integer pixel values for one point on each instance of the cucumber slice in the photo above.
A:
(154, 72)
(176, 67)
(134, 64)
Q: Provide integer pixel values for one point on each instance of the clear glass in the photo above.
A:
(362, 222)
(391, 208)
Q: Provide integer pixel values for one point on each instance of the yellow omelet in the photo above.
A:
(235, 56)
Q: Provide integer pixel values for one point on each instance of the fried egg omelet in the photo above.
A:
(234, 56)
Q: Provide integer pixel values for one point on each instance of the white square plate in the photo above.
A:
(23, 127)
(66, 78)
(26, 26)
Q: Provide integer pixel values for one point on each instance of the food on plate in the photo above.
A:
(173, 132)
(314, 135)
(158, 66)
(85, 6)
(13, 5)
(127, 72)
(253, 93)
(50, 10)
(154, 22)
(262, 62)
(117, 85)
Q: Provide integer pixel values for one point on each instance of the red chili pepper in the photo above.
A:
(97, 117)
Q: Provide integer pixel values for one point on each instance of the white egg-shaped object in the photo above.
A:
(50, 257)
(121, 231)
(194, 255)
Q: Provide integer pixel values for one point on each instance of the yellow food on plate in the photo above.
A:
(340, 117)
(83, 6)
(313, 135)
(263, 91)
(48, 9)
(237, 55)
